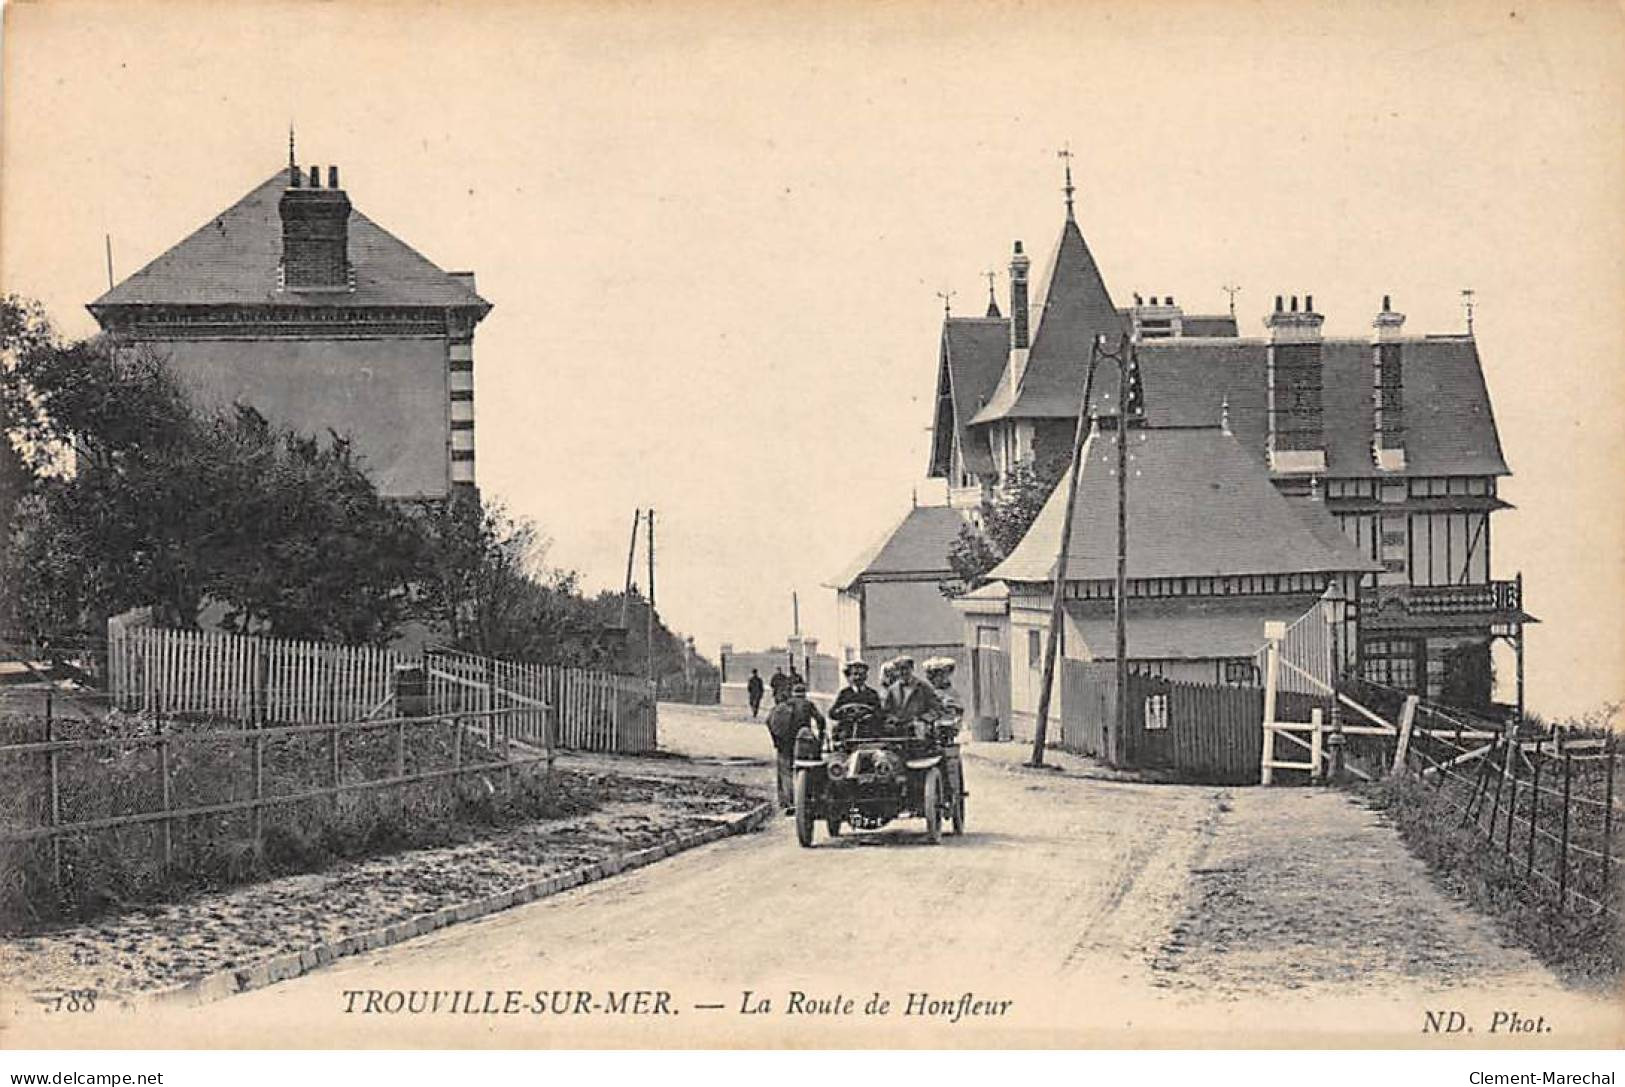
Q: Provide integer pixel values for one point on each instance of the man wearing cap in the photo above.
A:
(908, 699)
(857, 689)
(784, 724)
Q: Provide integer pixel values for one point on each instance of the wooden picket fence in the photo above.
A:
(240, 678)
(271, 681)
(597, 711)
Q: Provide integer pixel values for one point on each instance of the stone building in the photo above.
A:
(294, 302)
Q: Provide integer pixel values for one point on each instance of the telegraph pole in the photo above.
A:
(650, 626)
(631, 556)
(1120, 595)
(1058, 590)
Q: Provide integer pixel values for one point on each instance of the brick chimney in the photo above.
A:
(1018, 315)
(1387, 390)
(315, 233)
(1018, 298)
(1297, 441)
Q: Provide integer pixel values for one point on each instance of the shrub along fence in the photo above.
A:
(120, 814)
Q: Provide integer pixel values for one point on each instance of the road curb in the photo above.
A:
(292, 964)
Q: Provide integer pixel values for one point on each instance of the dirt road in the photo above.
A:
(1055, 920)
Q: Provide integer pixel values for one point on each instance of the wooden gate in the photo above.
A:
(990, 688)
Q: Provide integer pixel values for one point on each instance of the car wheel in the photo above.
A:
(933, 805)
(804, 815)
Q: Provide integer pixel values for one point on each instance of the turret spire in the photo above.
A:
(1065, 154)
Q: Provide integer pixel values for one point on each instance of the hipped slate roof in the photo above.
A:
(1198, 506)
(917, 545)
(233, 258)
(1449, 426)
(1076, 307)
(974, 350)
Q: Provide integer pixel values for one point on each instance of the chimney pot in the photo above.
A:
(1279, 305)
(315, 177)
(1170, 299)
(1387, 304)
(332, 177)
(1308, 303)
(1294, 303)
(1018, 247)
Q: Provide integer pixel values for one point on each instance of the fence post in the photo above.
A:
(1500, 779)
(1274, 631)
(259, 789)
(1407, 721)
(56, 806)
(1608, 824)
(164, 793)
(333, 764)
(456, 742)
(1534, 808)
(1512, 795)
(1316, 721)
(1563, 860)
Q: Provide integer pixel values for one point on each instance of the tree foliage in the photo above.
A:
(1006, 516)
(117, 492)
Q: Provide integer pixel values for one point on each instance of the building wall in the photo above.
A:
(908, 613)
(388, 395)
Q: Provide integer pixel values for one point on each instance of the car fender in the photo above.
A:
(809, 764)
(925, 763)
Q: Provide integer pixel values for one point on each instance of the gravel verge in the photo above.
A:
(217, 943)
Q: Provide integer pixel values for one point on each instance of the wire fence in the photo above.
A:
(1546, 803)
(123, 806)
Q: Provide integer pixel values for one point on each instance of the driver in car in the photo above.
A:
(856, 693)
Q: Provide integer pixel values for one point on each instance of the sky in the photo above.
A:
(714, 233)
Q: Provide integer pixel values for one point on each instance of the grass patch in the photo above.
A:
(112, 870)
(1580, 944)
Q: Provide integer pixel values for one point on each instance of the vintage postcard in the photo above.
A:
(719, 525)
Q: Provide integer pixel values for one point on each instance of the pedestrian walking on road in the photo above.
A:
(753, 690)
(784, 723)
(780, 685)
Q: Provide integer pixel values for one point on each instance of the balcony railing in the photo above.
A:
(1489, 601)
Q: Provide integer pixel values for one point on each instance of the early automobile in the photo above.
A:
(866, 770)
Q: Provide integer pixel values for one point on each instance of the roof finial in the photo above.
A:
(1468, 304)
(947, 302)
(1065, 153)
(1232, 290)
(1224, 414)
(992, 299)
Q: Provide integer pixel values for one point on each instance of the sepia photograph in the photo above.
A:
(601, 525)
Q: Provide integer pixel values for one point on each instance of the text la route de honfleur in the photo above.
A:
(660, 1002)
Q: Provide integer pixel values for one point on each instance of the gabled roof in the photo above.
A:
(917, 545)
(1076, 307)
(1198, 506)
(973, 355)
(233, 259)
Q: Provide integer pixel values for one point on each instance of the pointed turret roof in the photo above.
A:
(1076, 308)
(233, 258)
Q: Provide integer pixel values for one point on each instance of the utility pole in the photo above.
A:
(650, 626)
(1058, 590)
(631, 556)
(1120, 594)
